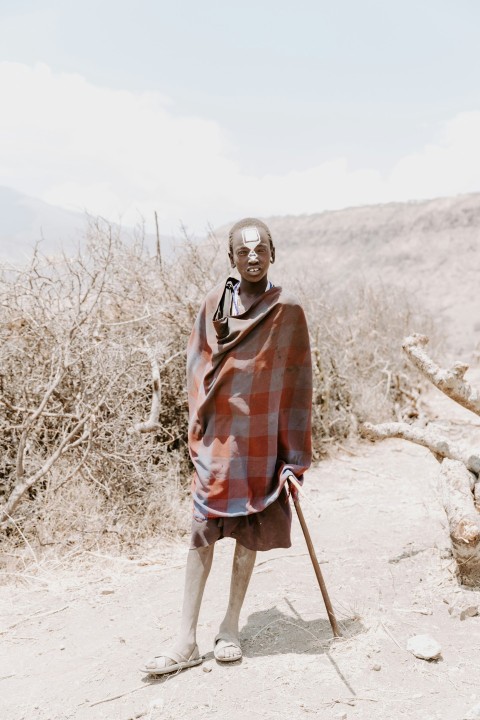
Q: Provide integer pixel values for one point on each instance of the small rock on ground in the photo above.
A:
(424, 647)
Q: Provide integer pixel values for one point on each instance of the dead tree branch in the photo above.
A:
(439, 446)
(69, 440)
(451, 381)
(152, 424)
(22, 487)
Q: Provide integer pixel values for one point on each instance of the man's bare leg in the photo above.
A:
(227, 646)
(199, 562)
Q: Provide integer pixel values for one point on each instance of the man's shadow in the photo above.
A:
(272, 632)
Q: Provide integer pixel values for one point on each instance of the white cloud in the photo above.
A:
(122, 154)
(111, 152)
(448, 167)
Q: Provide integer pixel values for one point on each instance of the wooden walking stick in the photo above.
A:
(321, 582)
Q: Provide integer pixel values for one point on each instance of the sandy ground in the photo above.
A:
(74, 635)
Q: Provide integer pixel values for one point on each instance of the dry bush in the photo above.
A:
(359, 372)
(78, 337)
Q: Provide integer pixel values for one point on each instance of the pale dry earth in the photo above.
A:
(77, 633)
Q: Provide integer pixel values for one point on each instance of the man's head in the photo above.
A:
(250, 244)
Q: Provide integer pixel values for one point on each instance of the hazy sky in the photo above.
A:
(206, 111)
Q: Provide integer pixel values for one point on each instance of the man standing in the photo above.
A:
(250, 393)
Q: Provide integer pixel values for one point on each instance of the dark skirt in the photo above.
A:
(264, 530)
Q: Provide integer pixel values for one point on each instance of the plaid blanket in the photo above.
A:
(249, 383)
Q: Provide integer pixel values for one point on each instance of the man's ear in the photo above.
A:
(230, 257)
(272, 256)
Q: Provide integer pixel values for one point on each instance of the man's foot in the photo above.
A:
(172, 661)
(227, 648)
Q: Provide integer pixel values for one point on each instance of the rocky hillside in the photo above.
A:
(429, 248)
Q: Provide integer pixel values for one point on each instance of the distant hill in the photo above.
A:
(431, 248)
(26, 221)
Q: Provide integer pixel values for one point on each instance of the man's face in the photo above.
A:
(251, 253)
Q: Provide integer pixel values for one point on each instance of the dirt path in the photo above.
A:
(76, 634)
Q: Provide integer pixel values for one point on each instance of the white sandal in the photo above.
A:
(180, 662)
(231, 642)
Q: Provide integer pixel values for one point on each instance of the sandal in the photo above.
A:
(179, 662)
(230, 643)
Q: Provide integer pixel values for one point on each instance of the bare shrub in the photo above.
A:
(75, 378)
(358, 375)
(78, 340)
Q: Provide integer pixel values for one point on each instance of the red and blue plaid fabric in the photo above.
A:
(250, 399)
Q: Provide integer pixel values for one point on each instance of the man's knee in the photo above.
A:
(243, 555)
(204, 553)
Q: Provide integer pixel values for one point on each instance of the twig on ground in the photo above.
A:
(393, 638)
(121, 695)
(371, 472)
(348, 701)
(36, 616)
(139, 714)
(347, 450)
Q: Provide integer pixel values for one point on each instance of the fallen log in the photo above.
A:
(463, 519)
(440, 446)
(460, 465)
